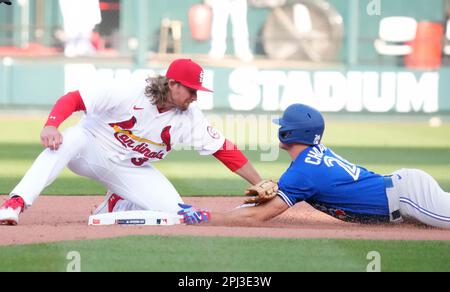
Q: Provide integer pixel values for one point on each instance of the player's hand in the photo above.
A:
(193, 216)
(51, 138)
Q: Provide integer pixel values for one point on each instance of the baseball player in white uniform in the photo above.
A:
(126, 128)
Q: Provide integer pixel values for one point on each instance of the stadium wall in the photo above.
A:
(248, 88)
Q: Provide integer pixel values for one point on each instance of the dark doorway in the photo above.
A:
(110, 25)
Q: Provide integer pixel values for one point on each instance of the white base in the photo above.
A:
(135, 218)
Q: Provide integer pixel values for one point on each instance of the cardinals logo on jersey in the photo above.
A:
(165, 137)
(140, 145)
(125, 125)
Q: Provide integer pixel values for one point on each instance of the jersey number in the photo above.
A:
(139, 161)
(351, 169)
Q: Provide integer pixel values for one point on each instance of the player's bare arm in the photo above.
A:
(249, 173)
(250, 216)
(242, 216)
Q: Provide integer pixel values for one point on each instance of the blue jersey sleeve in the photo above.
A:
(295, 187)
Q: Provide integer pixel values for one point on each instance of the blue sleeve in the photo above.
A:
(295, 187)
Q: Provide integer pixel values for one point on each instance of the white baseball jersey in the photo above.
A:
(130, 128)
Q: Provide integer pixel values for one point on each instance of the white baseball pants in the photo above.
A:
(144, 186)
(421, 198)
(237, 11)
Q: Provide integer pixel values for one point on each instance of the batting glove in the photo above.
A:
(193, 216)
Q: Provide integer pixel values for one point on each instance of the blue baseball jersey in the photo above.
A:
(333, 185)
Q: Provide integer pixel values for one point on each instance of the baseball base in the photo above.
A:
(135, 218)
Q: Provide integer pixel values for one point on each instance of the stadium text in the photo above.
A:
(248, 88)
(332, 91)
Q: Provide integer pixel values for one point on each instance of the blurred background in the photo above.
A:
(353, 56)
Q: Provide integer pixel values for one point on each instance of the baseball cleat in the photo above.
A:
(107, 206)
(112, 201)
(10, 210)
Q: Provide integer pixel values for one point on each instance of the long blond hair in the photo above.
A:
(157, 90)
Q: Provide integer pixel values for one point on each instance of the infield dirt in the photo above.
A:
(64, 218)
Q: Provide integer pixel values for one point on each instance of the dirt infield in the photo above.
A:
(63, 218)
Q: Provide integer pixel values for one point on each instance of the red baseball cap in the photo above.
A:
(188, 73)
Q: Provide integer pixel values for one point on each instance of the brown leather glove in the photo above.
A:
(261, 192)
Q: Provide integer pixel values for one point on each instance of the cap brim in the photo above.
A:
(277, 121)
(196, 87)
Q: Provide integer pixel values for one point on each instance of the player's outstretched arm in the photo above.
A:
(235, 160)
(250, 216)
(243, 216)
(249, 173)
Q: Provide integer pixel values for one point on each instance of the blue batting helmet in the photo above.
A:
(300, 124)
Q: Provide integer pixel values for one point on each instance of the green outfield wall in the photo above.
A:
(249, 88)
(360, 81)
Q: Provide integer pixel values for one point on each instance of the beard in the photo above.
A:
(181, 107)
(184, 106)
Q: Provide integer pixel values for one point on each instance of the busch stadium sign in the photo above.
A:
(248, 89)
(333, 91)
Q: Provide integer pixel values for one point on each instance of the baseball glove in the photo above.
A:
(261, 192)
